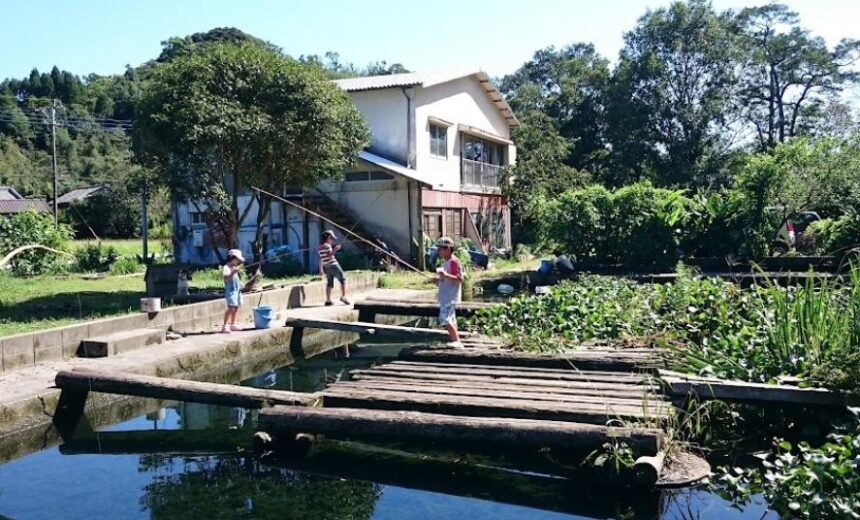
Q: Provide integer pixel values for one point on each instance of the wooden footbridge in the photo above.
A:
(478, 397)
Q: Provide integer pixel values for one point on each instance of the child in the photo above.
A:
(232, 289)
(450, 289)
(330, 268)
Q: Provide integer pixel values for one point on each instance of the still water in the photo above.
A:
(182, 462)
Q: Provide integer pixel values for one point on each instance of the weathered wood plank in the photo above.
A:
(596, 385)
(421, 309)
(633, 392)
(760, 392)
(380, 329)
(496, 393)
(420, 426)
(582, 360)
(488, 407)
(176, 389)
(589, 375)
(513, 373)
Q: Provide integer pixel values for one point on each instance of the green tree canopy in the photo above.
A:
(231, 116)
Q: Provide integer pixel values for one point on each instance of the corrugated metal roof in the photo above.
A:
(415, 79)
(78, 194)
(9, 193)
(393, 167)
(10, 207)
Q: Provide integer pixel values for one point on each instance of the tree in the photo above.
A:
(568, 86)
(670, 93)
(789, 75)
(229, 117)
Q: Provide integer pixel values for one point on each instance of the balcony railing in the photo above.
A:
(484, 175)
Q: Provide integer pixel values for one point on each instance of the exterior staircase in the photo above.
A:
(321, 203)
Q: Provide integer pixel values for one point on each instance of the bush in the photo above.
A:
(287, 267)
(31, 227)
(95, 258)
(125, 265)
(834, 235)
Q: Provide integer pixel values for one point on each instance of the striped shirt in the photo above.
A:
(327, 257)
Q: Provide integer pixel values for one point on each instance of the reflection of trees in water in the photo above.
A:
(240, 487)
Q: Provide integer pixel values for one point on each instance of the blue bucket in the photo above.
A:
(545, 267)
(264, 315)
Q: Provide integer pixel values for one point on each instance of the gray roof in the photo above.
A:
(78, 194)
(9, 193)
(417, 79)
(11, 207)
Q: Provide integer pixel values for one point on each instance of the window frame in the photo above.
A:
(437, 140)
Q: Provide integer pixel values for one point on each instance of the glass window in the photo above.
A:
(374, 175)
(377, 175)
(454, 223)
(479, 150)
(438, 141)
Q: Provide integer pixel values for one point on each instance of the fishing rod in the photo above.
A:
(349, 232)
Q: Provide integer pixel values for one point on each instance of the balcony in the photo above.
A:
(481, 175)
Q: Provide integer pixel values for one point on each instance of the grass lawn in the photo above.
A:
(125, 247)
(41, 302)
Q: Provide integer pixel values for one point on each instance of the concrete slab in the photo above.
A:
(121, 342)
(17, 351)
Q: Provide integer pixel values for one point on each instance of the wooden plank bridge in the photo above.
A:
(480, 396)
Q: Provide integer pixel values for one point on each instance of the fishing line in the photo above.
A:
(356, 235)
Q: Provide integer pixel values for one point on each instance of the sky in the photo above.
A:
(101, 36)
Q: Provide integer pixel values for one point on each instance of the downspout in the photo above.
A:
(409, 134)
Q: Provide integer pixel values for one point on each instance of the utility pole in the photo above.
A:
(54, 156)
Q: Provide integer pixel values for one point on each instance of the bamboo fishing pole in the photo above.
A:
(356, 235)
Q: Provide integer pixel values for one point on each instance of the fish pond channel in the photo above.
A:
(187, 460)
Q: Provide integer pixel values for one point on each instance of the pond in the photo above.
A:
(182, 462)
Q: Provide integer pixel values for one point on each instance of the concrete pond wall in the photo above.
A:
(41, 347)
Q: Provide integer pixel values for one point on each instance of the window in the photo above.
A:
(482, 162)
(197, 218)
(454, 224)
(438, 141)
(433, 225)
(374, 175)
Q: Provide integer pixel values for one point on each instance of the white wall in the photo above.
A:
(385, 113)
(464, 102)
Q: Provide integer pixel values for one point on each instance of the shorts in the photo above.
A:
(332, 272)
(234, 298)
(447, 314)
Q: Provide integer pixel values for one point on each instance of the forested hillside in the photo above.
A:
(94, 117)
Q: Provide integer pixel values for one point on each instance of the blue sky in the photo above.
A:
(103, 36)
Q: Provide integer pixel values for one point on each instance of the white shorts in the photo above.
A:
(447, 314)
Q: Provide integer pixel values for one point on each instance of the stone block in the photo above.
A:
(102, 327)
(120, 342)
(17, 351)
(72, 337)
(48, 346)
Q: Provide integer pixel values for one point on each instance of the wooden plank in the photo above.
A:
(582, 360)
(497, 393)
(500, 372)
(421, 426)
(422, 309)
(561, 389)
(589, 375)
(176, 389)
(503, 379)
(487, 407)
(759, 392)
(368, 328)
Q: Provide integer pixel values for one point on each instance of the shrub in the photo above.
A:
(95, 258)
(125, 265)
(834, 235)
(286, 267)
(31, 227)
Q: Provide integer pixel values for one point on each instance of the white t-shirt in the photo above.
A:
(227, 270)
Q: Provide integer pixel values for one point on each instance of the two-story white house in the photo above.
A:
(433, 168)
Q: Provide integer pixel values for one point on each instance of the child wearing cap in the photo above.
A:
(232, 289)
(330, 268)
(450, 289)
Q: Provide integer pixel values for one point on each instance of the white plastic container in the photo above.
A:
(150, 304)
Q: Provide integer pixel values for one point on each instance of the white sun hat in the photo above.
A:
(236, 253)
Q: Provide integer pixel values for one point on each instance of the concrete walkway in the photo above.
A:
(28, 396)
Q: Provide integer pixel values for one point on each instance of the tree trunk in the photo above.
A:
(265, 206)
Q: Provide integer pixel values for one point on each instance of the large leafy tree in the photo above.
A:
(670, 93)
(228, 117)
(789, 75)
(566, 85)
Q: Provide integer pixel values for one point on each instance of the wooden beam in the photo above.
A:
(368, 328)
(421, 309)
(176, 389)
(530, 372)
(418, 426)
(759, 392)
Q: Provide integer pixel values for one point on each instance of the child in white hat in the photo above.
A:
(232, 289)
